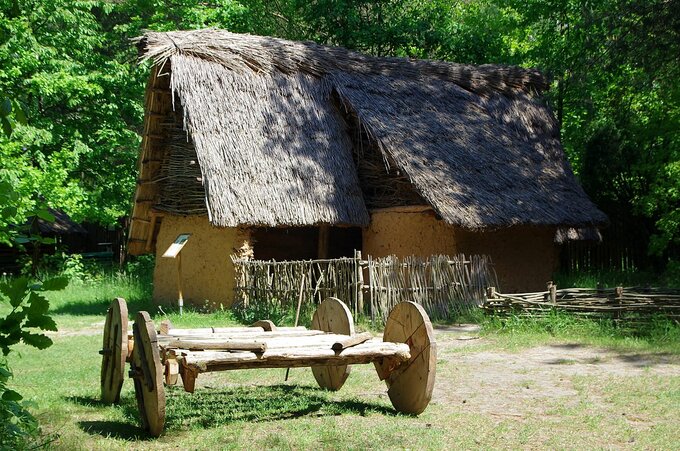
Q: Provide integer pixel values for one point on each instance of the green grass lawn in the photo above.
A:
(476, 404)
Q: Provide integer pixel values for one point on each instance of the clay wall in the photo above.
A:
(405, 231)
(207, 270)
(525, 258)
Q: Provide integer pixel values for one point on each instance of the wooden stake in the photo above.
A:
(180, 299)
(360, 283)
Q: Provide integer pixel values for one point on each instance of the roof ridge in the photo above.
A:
(241, 52)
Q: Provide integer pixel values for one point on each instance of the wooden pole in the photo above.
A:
(322, 249)
(360, 283)
(180, 299)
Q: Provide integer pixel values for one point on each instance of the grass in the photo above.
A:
(258, 409)
(610, 279)
(658, 334)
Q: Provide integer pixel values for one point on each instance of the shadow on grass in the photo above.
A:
(114, 429)
(601, 355)
(209, 408)
(86, 401)
(124, 430)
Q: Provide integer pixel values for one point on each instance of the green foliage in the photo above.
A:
(18, 427)
(617, 97)
(28, 312)
(69, 68)
(270, 309)
(140, 265)
(613, 278)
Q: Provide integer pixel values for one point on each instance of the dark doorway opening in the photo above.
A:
(302, 243)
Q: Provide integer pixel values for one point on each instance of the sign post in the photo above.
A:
(174, 251)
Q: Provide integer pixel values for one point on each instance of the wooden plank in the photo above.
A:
(280, 342)
(208, 361)
(254, 335)
(227, 345)
(351, 341)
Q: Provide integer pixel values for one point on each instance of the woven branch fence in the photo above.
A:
(614, 303)
(444, 285)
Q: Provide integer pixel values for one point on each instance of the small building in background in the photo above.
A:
(285, 150)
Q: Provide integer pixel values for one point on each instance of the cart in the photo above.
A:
(405, 357)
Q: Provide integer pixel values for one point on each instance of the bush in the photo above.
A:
(264, 309)
(18, 428)
(26, 319)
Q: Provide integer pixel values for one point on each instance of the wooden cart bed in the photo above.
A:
(405, 357)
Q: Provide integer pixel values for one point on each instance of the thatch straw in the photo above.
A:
(566, 234)
(274, 149)
(480, 161)
(245, 54)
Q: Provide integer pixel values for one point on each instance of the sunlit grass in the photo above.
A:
(257, 408)
(657, 333)
(610, 279)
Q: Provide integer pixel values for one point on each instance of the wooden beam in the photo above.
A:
(322, 248)
(149, 237)
(207, 361)
(345, 343)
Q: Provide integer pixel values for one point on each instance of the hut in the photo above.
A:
(269, 148)
(64, 232)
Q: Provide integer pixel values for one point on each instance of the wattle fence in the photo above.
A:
(619, 303)
(443, 285)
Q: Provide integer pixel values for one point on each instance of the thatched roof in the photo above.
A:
(476, 142)
(62, 224)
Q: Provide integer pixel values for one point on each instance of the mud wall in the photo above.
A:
(407, 231)
(525, 258)
(207, 271)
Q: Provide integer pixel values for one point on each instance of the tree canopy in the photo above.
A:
(71, 90)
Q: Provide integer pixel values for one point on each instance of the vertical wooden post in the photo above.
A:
(360, 282)
(322, 249)
(618, 291)
(371, 283)
(491, 292)
(553, 292)
(180, 299)
(152, 229)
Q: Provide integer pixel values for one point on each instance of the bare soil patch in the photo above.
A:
(533, 381)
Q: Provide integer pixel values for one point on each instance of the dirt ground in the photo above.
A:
(526, 382)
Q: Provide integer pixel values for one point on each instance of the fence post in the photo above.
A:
(553, 292)
(359, 282)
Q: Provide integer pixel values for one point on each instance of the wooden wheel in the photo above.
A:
(410, 384)
(114, 351)
(332, 315)
(148, 374)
